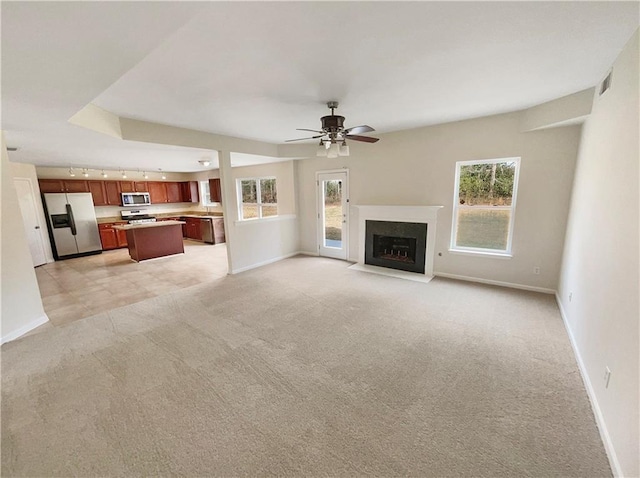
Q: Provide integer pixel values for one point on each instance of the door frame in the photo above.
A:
(347, 211)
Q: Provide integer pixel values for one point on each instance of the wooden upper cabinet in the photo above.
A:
(76, 186)
(141, 187)
(173, 192)
(157, 192)
(215, 190)
(97, 190)
(127, 187)
(189, 191)
(51, 185)
(112, 192)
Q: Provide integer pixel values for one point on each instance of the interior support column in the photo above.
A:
(229, 203)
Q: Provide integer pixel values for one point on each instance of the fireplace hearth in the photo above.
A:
(396, 245)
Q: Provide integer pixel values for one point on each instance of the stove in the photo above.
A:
(136, 216)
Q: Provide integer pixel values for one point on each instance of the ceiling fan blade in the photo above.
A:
(312, 130)
(302, 139)
(359, 129)
(366, 139)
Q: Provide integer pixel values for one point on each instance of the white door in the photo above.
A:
(27, 201)
(333, 213)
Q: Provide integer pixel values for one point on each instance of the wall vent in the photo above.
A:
(606, 84)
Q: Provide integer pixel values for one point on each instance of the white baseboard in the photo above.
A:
(495, 282)
(309, 253)
(24, 329)
(602, 426)
(263, 263)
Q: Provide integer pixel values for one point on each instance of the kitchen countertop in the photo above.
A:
(144, 225)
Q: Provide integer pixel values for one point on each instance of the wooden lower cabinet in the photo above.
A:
(194, 231)
(110, 238)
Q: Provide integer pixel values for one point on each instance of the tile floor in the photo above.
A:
(77, 288)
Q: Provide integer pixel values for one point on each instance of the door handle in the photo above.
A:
(37, 227)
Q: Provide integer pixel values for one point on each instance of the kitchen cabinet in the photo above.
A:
(108, 237)
(141, 187)
(194, 231)
(112, 193)
(51, 185)
(189, 191)
(121, 237)
(76, 186)
(134, 186)
(127, 187)
(157, 192)
(63, 186)
(111, 238)
(98, 193)
(215, 191)
(173, 192)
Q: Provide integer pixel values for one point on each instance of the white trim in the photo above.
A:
(512, 207)
(263, 263)
(24, 329)
(481, 253)
(309, 253)
(602, 426)
(283, 217)
(495, 282)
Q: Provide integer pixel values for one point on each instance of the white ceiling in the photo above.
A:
(260, 70)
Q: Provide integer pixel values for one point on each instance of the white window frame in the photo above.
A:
(258, 197)
(456, 206)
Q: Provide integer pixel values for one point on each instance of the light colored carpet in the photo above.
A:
(301, 368)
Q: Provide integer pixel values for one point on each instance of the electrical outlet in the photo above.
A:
(607, 377)
(536, 270)
(570, 296)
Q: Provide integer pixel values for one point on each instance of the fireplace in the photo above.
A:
(397, 245)
(397, 241)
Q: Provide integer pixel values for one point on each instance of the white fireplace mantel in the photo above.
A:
(419, 214)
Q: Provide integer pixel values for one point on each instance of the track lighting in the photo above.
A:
(163, 176)
(124, 174)
(145, 175)
(103, 174)
(72, 172)
(85, 172)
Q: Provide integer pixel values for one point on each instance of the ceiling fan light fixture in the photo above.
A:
(334, 151)
(344, 149)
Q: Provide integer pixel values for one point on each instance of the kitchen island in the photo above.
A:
(153, 239)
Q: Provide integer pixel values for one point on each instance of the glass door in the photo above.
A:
(333, 214)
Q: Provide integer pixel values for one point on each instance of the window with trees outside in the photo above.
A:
(257, 198)
(484, 205)
(205, 194)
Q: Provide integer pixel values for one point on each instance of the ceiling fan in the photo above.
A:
(334, 132)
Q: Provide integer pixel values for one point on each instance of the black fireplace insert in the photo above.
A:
(397, 245)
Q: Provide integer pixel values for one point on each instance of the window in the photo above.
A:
(205, 194)
(484, 205)
(257, 198)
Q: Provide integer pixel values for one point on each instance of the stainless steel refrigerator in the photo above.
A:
(73, 227)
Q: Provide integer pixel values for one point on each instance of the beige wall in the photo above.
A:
(259, 242)
(599, 285)
(417, 167)
(21, 304)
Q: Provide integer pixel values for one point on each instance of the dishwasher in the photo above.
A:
(206, 226)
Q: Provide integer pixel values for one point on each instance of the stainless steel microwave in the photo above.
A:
(136, 199)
